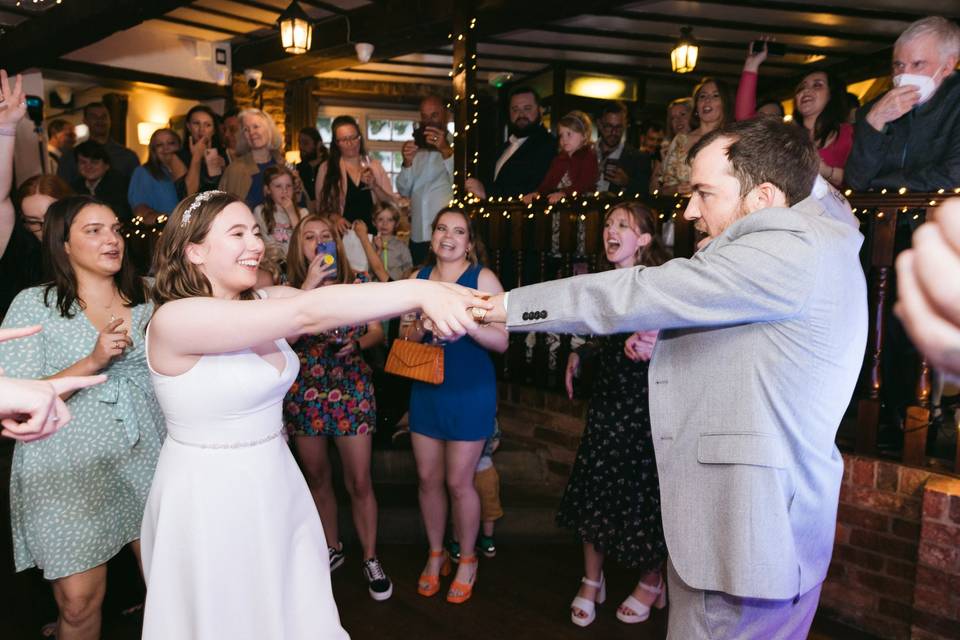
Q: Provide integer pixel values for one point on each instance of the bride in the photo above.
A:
(232, 543)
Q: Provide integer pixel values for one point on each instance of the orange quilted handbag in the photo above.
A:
(415, 360)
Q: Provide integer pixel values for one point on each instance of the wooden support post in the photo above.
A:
(466, 99)
(918, 419)
(881, 233)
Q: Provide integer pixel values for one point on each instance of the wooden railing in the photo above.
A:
(518, 238)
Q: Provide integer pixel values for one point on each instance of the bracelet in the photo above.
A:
(8, 132)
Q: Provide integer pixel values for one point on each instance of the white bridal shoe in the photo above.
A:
(638, 612)
(588, 606)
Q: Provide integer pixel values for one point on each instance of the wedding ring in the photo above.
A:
(478, 314)
(116, 344)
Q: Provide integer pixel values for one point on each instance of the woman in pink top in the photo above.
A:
(819, 105)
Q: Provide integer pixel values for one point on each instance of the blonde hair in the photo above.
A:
(177, 277)
(276, 140)
(297, 263)
(579, 122)
(392, 208)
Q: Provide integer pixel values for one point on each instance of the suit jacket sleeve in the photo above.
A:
(764, 273)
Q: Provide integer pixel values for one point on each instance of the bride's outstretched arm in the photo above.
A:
(195, 326)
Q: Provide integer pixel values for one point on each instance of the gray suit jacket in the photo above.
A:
(762, 338)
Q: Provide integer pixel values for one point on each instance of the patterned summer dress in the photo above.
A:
(77, 497)
(613, 496)
(332, 396)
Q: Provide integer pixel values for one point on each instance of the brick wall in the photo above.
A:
(896, 562)
(871, 580)
(936, 607)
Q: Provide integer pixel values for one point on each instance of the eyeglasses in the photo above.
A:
(348, 140)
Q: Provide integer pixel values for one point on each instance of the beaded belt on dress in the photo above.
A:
(229, 445)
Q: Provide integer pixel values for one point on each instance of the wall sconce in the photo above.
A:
(296, 29)
(683, 58)
(145, 131)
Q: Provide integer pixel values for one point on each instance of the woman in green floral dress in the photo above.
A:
(77, 497)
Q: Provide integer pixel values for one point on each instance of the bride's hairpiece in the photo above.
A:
(197, 201)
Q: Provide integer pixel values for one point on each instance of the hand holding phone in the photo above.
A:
(773, 48)
(328, 251)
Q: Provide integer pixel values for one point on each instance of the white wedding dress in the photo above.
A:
(232, 544)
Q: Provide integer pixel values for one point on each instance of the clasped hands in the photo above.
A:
(450, 317)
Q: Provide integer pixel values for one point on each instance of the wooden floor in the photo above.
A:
(522, 593)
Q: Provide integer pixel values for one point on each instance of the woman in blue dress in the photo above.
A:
(451, 421)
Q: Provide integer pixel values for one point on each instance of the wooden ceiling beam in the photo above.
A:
(76, 25)
(832, 9)
(326, 6)
(234, 16)
(200, 25)
(398, 27)
(757, 27)
(656, 37)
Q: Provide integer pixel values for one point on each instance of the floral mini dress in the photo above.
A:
(332, 396)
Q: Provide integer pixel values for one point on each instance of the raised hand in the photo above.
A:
(754, 60)
(13, 102)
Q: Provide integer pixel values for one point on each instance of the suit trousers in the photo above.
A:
(713, 615)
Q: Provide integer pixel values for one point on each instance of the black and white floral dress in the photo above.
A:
(613, 497)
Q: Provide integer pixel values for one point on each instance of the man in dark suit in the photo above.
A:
(622, 168)
(527, 153)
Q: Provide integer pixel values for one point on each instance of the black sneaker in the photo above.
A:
(336, 557)
(487, 546)
(379, 584)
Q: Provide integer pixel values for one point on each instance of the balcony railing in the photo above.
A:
(520, 246)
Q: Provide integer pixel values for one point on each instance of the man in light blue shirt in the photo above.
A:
(427, 174)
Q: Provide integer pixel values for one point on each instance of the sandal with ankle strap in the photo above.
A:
(460, 592)
(588, 606)
(639, 612)
(429, 585)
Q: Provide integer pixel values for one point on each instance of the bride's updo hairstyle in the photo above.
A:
(177, 277)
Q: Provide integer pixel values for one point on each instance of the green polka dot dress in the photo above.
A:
(77, 497)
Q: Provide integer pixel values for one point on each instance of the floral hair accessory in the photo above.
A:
(201, 197)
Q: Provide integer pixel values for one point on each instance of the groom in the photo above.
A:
(762, 337)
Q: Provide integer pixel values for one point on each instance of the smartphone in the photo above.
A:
(329, 252)
(773, 48)
(420, 137)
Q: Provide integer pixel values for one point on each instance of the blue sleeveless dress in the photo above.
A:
(464, 406)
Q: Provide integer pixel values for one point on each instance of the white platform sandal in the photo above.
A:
(639, 612)
(588, 606)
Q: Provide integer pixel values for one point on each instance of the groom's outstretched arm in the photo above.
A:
(765, 274)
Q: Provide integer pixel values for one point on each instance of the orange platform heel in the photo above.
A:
(429, 585)
(460, 592)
